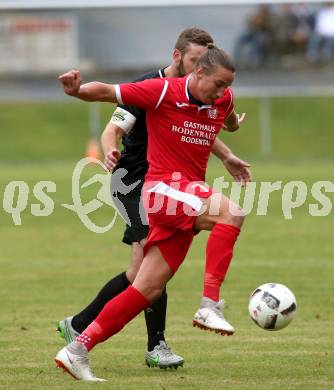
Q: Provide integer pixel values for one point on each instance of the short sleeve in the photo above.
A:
(146, 94)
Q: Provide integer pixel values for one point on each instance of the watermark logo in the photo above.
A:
(114, 193)
(111, 186)
(16, 195)
(102, 197)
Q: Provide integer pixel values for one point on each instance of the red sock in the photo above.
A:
(114, 316)
(219, 252)
(91, 335)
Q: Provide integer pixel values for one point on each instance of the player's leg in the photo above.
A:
(70, 327)
(224, 219)
(155, 315)
(158, 353)
(136, 260)
(116, 314)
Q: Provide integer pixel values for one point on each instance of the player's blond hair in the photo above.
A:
(214, 57)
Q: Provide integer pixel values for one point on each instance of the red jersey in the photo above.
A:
(180, 134)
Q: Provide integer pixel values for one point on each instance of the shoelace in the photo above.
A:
(220, 304)
(218, 308)
(83, 359)
(165, 349)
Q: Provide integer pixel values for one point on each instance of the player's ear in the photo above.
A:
(199, 71)
(177, 56)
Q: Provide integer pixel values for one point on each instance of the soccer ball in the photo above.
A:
(272, 306)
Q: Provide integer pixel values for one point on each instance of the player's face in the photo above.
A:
(211, 86)
(187, 61)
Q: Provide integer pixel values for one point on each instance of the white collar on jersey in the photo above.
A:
(187, 82)
(162, 73)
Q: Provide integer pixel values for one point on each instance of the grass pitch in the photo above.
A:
(302, 129)
(52, 266)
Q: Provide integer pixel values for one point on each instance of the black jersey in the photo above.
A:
(133, 157)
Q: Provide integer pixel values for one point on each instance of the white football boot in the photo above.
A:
(73, 359)
(210, 317)
(163, 357)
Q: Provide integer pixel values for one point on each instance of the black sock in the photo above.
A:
(115, 286)
(155, 316)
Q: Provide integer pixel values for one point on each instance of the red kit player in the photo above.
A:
(184, 116)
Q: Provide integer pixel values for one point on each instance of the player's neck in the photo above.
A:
(172, 70)
(192, 87)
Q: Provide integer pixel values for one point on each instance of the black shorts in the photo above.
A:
(138, 228)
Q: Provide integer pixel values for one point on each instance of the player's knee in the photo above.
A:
(132, 271)
(131, 274)
(156, 293)
(235, 215)
(152, 292)
(237, 220)
(136, 260)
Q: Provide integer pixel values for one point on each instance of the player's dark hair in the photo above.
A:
(214, 57)
(192, 35)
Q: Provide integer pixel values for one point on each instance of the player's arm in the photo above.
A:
(233, 121)
(90, 92)
(121, 122)
(147, 94)
(110, 141)
(238, 168)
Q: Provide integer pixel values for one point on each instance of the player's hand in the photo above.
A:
(70, 82)
(238, 169)
(238, 119)
(111, 159)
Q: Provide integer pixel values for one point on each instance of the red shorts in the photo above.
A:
(172, 208)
